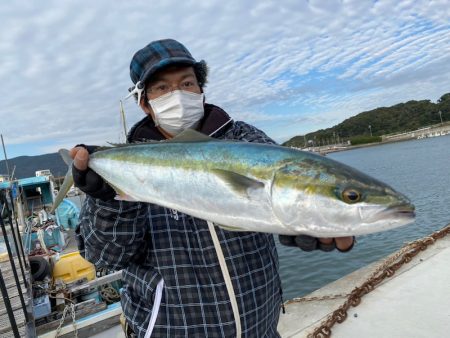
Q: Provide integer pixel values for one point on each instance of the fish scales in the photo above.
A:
(182, 177)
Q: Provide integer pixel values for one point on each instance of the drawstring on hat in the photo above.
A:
(136, 90)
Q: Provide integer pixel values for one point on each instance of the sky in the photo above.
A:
(287, 67)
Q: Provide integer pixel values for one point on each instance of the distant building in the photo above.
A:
(45, 172)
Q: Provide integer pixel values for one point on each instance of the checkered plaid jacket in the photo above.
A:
(150, 242)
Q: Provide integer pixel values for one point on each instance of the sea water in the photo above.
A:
(420, 169)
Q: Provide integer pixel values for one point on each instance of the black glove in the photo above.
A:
(90, 182)
(308, 243)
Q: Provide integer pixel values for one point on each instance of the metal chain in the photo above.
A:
(74, 321)
(58, 330)
(386, 270)
(314, 298)
(109, 294)
(385, 263)
(68, 307)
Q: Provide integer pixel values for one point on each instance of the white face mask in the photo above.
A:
(178, 110)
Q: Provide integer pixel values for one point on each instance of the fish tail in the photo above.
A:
(67, 183)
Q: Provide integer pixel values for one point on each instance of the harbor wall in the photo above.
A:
(432, 131)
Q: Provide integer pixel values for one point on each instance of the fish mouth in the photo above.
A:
(401, 211)
(388, 218)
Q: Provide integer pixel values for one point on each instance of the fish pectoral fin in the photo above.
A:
(121, 195)
(124, 197)
(243, 185)
(229, 227)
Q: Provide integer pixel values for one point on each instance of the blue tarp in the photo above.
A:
(67, 214)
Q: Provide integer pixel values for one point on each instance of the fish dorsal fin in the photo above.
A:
(190, 135)
(112, 145)
(243, 185)
(65, 156)
(122, 145)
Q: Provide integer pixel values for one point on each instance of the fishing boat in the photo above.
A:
(48, 289)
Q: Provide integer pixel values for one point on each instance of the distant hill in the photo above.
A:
(399, 118)
(26, 166)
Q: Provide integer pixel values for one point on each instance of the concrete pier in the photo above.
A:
(414, 302)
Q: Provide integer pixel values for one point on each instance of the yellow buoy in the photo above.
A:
(4, 256)
(72, 267)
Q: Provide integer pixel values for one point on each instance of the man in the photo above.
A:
(174, 284)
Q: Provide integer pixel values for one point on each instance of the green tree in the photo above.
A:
(399, 118)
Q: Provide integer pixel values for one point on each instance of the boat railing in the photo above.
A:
(16, 308)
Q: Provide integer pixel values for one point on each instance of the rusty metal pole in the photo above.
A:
(13, 267)
(8, 306)
(6, 158)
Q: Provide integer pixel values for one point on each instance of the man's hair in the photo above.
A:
(201, 72)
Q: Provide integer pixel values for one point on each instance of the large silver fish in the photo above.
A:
(252, 187)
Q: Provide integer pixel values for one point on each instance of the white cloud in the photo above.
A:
(65, 64)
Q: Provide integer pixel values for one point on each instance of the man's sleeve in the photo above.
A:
(112, 234)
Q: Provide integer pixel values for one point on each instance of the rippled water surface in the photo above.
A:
(421, 170)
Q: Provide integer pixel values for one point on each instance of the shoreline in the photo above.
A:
(423, 133)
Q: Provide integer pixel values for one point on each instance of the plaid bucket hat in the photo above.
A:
(157, 55)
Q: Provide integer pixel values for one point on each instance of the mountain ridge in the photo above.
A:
(26, 166)
(399, 118)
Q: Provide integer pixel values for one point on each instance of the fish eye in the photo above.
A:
(351, 196)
